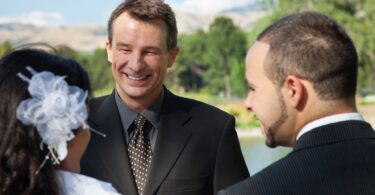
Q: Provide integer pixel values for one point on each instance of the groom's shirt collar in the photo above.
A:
(329, 120)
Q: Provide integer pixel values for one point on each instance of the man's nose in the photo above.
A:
(248, 104)
(135, 62)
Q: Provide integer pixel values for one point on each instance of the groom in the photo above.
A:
(177, 145)
(302, 76)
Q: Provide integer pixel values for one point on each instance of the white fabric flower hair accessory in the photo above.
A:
(55, 109)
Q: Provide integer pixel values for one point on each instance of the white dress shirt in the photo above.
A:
(329, 120)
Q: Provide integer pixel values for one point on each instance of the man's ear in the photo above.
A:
(295, 90)
(108, 46)
(172, 56)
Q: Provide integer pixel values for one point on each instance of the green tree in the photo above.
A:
(96, 64)
(100, 70)
(5, 48)
(237, 77)
(189, 66)
(357, 16)
(226, 47)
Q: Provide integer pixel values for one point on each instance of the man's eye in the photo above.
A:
(151, 52)
(125, 50)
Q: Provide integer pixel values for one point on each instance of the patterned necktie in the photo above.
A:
(139, 150)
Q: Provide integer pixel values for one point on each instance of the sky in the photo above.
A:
(91, 12)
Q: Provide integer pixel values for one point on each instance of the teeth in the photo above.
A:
(136, 78)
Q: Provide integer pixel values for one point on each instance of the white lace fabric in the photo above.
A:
(54, 108)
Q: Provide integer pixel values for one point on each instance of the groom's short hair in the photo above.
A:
(314, 47)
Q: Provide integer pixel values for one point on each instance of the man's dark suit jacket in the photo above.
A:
(333, 159)
(196, 151)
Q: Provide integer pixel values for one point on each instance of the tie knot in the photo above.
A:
(140, 121)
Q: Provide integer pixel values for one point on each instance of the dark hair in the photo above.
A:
(20, 153)
(147, 10)
(314, 47)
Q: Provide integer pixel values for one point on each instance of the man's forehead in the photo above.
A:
(257, 53)
(258, 47)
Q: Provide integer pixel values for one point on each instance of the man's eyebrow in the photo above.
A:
(152, 48)
(122, 44)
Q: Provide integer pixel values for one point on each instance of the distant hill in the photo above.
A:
(87, 38)
(82, 38)
(189, 22)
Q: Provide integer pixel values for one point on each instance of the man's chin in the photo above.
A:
(135, 92)
(136, 96)
(269, 139)
(270, 144)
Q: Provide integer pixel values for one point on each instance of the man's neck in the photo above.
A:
(321, 109)
(139, 104)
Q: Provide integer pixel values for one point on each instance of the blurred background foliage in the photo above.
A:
(210, 66)
(357, 17)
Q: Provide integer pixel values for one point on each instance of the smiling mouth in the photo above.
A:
(137, 78)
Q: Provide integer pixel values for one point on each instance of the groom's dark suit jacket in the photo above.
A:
(333, 159)
(196, 151)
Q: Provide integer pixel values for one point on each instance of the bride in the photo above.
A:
(43, 130)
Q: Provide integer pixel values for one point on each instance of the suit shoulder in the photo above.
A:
(241, 187)
(95, 103)
(195, 106)
(267, 181)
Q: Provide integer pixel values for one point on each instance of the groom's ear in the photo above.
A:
(108, 46)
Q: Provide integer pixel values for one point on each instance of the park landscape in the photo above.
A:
(210, 66)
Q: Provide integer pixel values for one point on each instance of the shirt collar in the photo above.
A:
(151, 113)
(329, 120)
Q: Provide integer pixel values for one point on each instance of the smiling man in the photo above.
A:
(302, 76)
(156, 142)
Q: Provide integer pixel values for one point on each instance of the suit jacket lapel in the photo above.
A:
(171, 140)
(114, 153)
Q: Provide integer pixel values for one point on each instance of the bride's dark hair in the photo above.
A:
(20, 152)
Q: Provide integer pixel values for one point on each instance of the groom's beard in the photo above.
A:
(271, 140)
